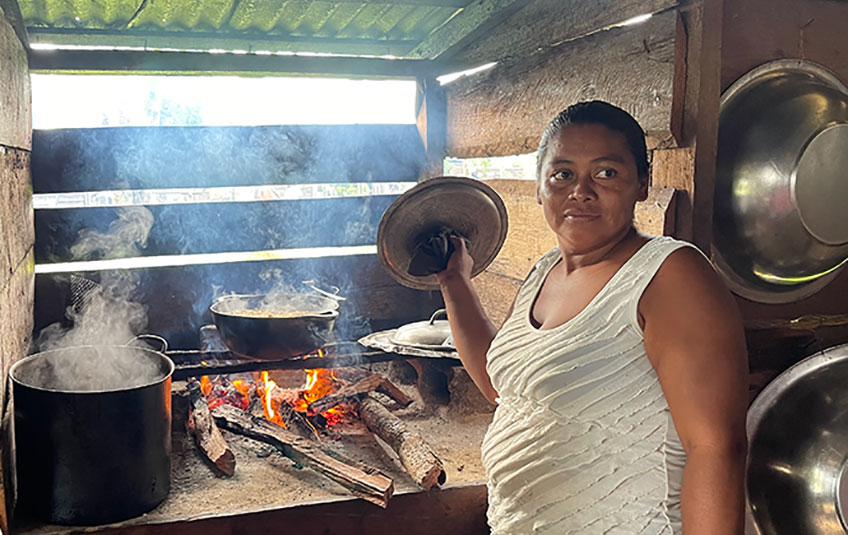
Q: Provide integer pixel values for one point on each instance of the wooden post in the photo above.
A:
(431, 110)
(694, 121)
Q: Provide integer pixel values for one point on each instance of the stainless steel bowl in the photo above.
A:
(780, 218)
(798, 450)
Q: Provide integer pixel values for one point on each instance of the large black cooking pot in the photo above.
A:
(274, 326)
(92, 433)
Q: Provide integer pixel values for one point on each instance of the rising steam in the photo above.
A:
(106, 313)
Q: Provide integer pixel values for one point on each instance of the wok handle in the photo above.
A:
(332, 294)
(151, 337)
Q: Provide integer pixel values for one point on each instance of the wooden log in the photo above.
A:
(346, 393)
(370, 383)
(388, 388)
(206, 434)
(414, 452)
(296, 422)
(373, 487)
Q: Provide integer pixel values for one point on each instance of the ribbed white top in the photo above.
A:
(582, 440)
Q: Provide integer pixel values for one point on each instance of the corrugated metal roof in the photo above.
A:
(353, 27)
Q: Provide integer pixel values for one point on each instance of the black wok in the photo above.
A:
(274, 326)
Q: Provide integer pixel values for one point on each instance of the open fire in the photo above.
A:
(296, 417)
(258, 390)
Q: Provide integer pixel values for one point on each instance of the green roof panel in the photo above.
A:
(348, 27)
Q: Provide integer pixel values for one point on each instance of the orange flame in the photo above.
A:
(268, 387)
(244, 389)
(205, 385)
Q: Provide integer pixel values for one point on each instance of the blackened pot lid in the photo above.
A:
(466, 206)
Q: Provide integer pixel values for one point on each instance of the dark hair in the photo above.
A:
(598, 112)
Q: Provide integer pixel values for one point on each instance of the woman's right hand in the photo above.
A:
(460, 262)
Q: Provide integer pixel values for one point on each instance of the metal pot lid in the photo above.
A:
(431, 334)
(469, 207)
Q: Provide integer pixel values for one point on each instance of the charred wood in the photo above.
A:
(415, 454)
(206, 434)
(346, 393)
(296, 422)
(371, 486)
(371, 383)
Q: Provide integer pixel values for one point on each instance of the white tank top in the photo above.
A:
(582, 440)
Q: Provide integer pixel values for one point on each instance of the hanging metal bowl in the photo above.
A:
(780, 219)
(797, 480)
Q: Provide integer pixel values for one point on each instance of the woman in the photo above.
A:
(620, 374)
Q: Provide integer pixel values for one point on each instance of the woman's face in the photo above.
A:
(588, 187)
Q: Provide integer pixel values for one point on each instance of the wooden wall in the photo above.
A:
(504, 110)
(16, 229)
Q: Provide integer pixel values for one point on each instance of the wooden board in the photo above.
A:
(15, 105)
(95, 159)
(453, 510)
(16, 324)
(758, 31)
(16, 220)
(655, 215)
(546, 23)
(504, 110)
(675, 168)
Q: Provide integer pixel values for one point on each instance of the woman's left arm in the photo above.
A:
(695, 340)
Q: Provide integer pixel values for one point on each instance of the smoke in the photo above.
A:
(204, 157)
(104, 313)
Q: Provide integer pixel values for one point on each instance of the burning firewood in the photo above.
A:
(347, 392)
(296, 422)
(207, 436)
(369, 485)
(414, 452)
(369, 384)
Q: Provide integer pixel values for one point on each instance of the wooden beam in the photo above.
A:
(15, 101)
(472, 23)
(706, 130)
(504, 110)
(544, 24)
(12, 12)
(125, 62)
(248, 41)
(431, 110)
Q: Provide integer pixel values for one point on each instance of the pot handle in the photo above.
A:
(163, 344)
(441, 312)
(332, 294)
